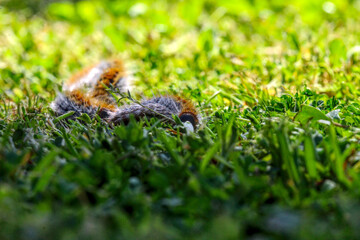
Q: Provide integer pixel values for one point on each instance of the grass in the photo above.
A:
(277, 156)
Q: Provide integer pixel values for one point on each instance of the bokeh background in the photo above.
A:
(176, 43)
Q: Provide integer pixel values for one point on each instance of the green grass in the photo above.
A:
(278, 155)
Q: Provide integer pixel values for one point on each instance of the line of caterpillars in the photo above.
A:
(87, 92)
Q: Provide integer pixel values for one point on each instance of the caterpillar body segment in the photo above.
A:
(159, 107)
(91, 77)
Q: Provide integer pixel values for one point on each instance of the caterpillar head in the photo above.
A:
(189, 117)
(188, 112)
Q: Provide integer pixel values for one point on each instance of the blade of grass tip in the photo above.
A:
(3, 105)
(347, 154)
(209, 155)
(240, 174)
(97, 117)
(310, 157)
(129, 95)
(220, 136)
(227, 95)
(209, 130)
(152, 127)
(229, 129)
(44, 170)
(85, 117)
(29, 102)
(18, 110)
(68, 143)
(177, 120)
(23, 110)
(169, 147)
(36, 100)
(229, 137)
(231, 97)
(339, 158)
(212, 97)
(244, 119)
(223, 161)
(62, 117)
(111, 91)
(6, 108)
(287, 156)
(26, 118)
(52, 125)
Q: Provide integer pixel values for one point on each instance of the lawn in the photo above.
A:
(277, 155)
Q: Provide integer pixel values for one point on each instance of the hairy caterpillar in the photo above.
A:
(86, 92)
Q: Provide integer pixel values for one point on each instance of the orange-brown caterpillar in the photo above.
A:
(86, 92)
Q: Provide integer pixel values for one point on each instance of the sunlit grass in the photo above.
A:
(277, 156)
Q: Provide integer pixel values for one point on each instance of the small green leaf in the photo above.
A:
(209, 155)
(309, 113)
(45, 169)
(65, 11)
(177, 120)
(310, 157)
(84, 117)
(62, 117)
(337, 51)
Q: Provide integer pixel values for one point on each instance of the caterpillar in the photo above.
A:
(87, 92)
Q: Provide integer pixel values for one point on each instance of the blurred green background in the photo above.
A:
(278, 43)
